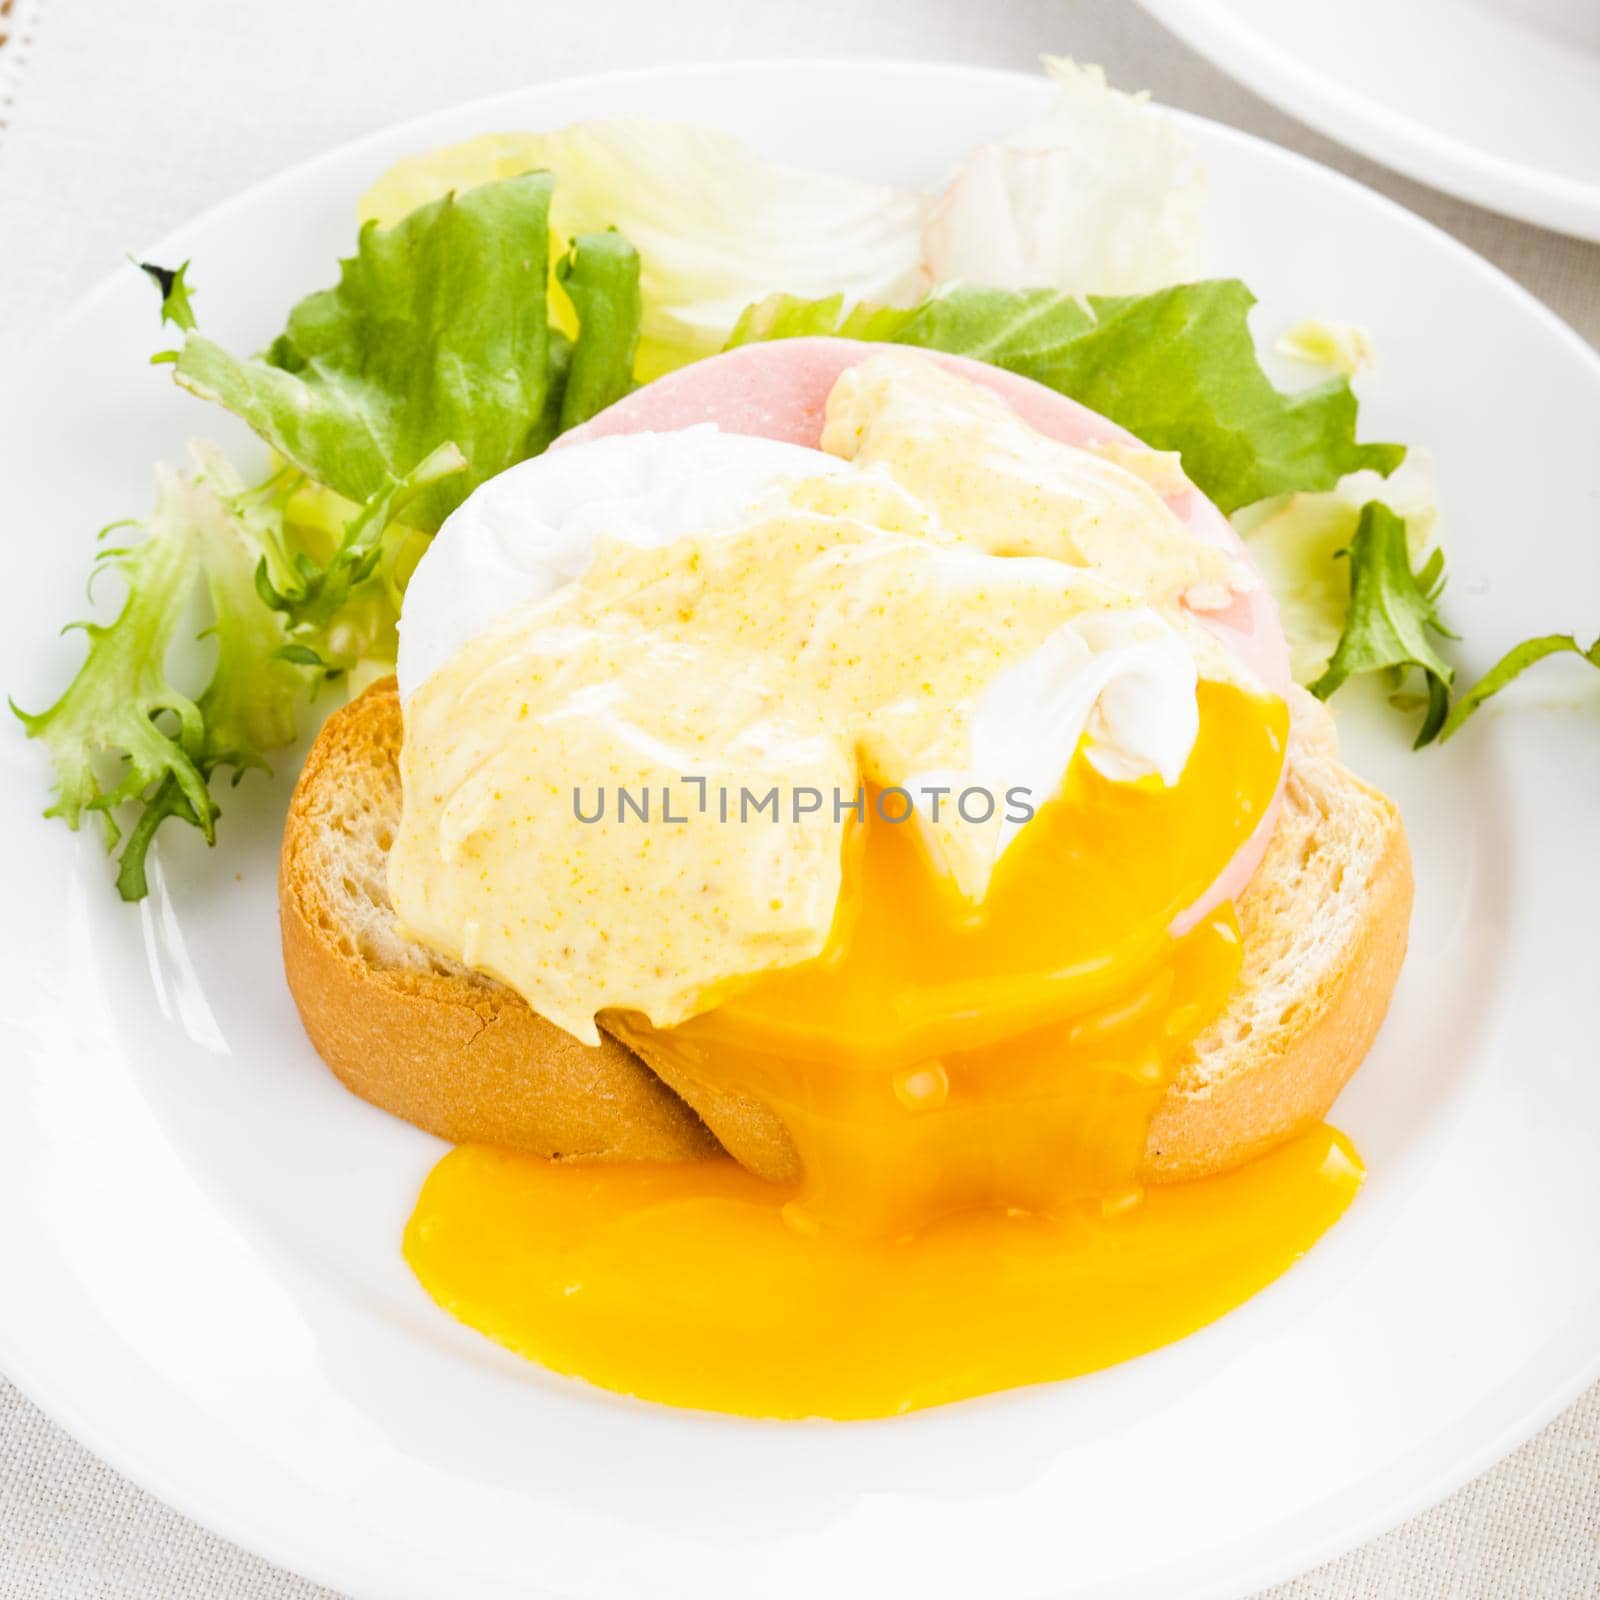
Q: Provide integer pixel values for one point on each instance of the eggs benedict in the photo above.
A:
(873, 755)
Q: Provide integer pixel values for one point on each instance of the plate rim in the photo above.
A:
(1401, 143)
(349, 1569)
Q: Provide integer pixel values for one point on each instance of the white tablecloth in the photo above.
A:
(120, 118)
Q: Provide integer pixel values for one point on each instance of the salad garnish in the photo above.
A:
(1512, 665)
(437, 332)
(505, 290)
(172, 285)
(1393, 615)
(122, 714)
(1340, 345)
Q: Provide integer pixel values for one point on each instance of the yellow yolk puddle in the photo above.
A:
(969, 1092)
(684, 1284)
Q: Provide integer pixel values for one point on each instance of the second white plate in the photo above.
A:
(1497, 101)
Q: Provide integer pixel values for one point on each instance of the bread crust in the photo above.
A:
(462, 1057)
(465, 1057)
(1291, 1079)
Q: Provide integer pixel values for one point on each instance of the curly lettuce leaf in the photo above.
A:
(1177, 367)
(430, 367)
(302, 528)
(124, 731)
(1511, 666)
(317, 596)
(1297, 540)
(113, 704)
(250, 704)
(128, 731)
(436, 332)
(173, 287)
(1392, 617)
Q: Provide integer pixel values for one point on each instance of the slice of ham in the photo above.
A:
(779, 390)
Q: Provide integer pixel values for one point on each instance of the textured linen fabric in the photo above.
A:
(118, 121)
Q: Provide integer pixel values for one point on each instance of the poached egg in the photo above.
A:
(964, 1016)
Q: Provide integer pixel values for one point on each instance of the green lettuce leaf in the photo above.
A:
(429, 368)
(1097, 191)
(1392, 616)
(249, 706)
(786, 316)
(1297, 542)
(1512, 665)
(1177, 367)
(173, 287)
(124, 731)
(600, 275)
(715, 225)
(127, 731)
(437, 332)
(317, 596)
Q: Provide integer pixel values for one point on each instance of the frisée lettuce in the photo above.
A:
(1511, 666)
(428, 368)
(1393, 618)
(124, 731)
(505, 290)
(1296, 541)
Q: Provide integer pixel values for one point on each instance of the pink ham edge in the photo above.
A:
(780, 391)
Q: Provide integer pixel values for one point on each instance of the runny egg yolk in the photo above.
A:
(939, 1057)
(968, 1092)
(686, 1284)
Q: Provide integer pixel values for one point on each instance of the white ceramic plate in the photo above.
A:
(1497, 101)
(200, 1252)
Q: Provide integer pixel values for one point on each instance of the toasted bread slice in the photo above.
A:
(430, 1040)
(1324, 920)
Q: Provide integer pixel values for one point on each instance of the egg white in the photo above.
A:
(525, 533)
(1125, 678)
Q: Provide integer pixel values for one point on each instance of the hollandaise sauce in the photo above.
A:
(968, 1089)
